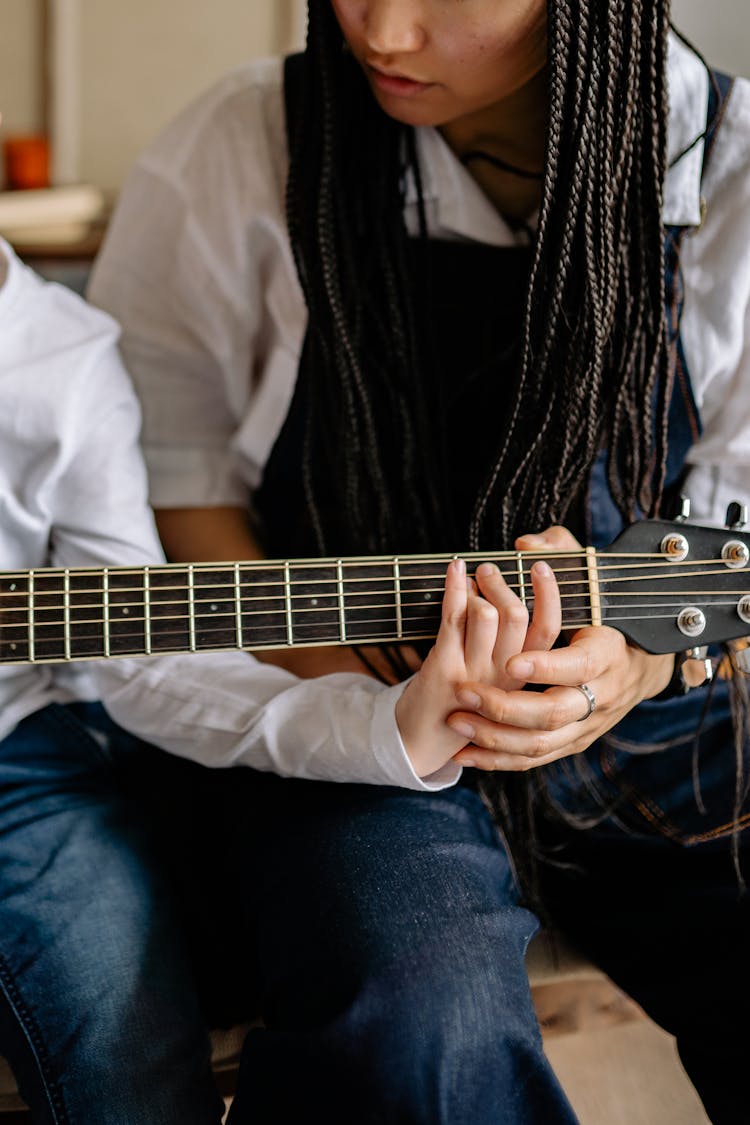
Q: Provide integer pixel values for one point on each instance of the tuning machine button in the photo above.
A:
(697, 668)
(743, 609)
(737, 516)
(682, 515)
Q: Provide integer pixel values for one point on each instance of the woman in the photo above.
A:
(461, 331)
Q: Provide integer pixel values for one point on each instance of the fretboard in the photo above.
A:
(50, 615)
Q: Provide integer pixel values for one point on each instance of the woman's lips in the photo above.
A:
(397, 84)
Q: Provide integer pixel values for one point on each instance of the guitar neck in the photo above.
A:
(54, 615)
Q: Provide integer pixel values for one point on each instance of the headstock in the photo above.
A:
(673, 586)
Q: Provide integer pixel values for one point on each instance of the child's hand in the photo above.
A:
(477, 637)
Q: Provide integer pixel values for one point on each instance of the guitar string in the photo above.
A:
(202, 606)
(310, 603)
(409, 624)
(717, 567)
(180, 647)
(55, 574)
(15, 618)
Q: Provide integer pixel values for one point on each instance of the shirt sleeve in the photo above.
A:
(197, 269)
(230, 710)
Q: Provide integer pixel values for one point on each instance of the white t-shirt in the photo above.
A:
(197, 267)
(73, 493)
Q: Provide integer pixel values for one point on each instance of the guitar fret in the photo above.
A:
(191, 607)
(397, 594)
(594, 591)
(105, 610)
(288, 604)
(521, 577)
(32, 627)
(340, 594)
(66, 613)
(238, 605)
(147, 609)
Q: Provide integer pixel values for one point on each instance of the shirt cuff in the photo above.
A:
(390, 752)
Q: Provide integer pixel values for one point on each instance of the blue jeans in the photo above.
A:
(377, 931)
(99, 1012)
(142, 897)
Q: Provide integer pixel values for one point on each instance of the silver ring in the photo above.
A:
(590, 700)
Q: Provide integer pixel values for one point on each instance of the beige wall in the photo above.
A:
(19, 86)
(720, 29)
(143, 60)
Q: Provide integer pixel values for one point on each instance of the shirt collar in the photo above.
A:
(688, 83)
(458, 207)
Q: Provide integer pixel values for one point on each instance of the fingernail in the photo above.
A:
(463, 728)
(469, 699)
(467, 762)
(522, 668)
(486, 570)
(542, 569)
(460, 567)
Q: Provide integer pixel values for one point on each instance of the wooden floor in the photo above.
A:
(615, 1065)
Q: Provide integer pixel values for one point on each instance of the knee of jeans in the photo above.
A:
(463, 994)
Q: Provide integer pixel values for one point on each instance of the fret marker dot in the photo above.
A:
(428, 597)
(13, 587)
(313, 601)
(13, 647)
(126, 611)
(214, 608)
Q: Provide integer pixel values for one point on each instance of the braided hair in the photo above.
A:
(594, 347)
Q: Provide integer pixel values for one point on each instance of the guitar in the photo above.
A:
(666, 586)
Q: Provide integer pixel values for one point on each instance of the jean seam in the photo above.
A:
(33, 1036)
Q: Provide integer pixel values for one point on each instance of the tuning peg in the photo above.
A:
(742, 658)
(683, 510)
(736, 516)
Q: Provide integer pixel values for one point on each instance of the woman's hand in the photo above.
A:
(519, 730)
(478, 635)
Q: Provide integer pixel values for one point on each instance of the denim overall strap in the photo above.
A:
(604, 522)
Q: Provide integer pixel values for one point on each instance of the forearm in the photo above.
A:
(207, 534)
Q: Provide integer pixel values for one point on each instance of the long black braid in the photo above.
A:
(594, 348)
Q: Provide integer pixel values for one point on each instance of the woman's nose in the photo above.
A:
(393, 27)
